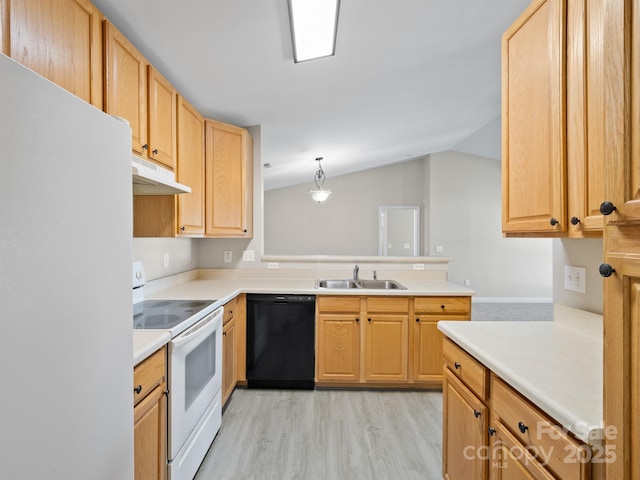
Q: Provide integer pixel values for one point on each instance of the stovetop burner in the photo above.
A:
(165, 314)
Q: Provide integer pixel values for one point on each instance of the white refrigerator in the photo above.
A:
(66, 348)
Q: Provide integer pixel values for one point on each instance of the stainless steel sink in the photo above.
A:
(381, 284)
(350, 283)
(346, 283)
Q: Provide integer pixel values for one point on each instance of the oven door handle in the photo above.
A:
(201, 329)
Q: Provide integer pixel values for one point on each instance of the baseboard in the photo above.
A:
(512, 300)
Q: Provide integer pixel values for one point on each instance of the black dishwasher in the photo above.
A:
(280, 341)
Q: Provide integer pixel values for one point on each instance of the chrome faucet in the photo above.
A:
(356, 269)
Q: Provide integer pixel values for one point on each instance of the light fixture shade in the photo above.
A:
(314, 24)
(319, 195)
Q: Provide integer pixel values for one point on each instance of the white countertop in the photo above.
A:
(558, 368)
(145, 342)
(225, 289)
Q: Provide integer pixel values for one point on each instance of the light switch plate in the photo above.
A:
(575, 279)
(248, 256)
(228, 256)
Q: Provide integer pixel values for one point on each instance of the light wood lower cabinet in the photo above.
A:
(372, 340)
(150, 418)
(229, 350)
(492, 431)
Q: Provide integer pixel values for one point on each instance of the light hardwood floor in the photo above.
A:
(328, 435)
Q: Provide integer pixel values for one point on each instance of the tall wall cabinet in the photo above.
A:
(592, 50)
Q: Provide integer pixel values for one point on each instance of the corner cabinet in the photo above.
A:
(150, 418)
(553, 151)
(228, 181)
(59, 39)
(373, 341)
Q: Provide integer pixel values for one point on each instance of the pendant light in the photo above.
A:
(319, 194)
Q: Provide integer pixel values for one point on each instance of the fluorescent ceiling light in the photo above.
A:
(313, 28)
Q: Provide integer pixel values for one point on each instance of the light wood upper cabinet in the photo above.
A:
(229, 181)
(59, 39)
(135, 90)
(126, 85)
(162, 119)
(533, 116)
(554, 114)
(190, 169)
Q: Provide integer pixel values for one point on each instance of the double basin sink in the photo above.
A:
(353, 283)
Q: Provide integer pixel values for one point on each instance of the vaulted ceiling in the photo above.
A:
(409, 77)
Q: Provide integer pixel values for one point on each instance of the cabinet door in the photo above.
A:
(510, 460)
(533, 118)
(227, 181)
(428, 361)
(162, 119)
(150, 437)
(622, 361)
(386, 347)
(190, 169)
(59, 39)
(228, 359)
(464, 429)
(126, 85)
(586, 118)
(338, 347)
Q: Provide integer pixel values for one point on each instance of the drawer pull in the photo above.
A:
(523, 428)
(417, 319)
(607, 208)
(138, 389)
(476, 413)
(492, 432)
(457, 365)
(442, 307)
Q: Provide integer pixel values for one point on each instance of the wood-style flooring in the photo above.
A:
(327, 435)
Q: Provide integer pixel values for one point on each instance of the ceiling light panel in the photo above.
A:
(314, 25)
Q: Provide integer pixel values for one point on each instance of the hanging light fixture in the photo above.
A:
(319, 194)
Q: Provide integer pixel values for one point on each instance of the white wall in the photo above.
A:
(346, 223)
(150, 251)
(578, 252)
(465, 198)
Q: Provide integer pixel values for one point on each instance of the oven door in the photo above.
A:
(195, 376)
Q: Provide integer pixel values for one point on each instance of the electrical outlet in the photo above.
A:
(418, 266)
(439, 249)
(467, 283)
(575, 279)
(228, 256)
(248, 256)
(165, 259)
(273, 265)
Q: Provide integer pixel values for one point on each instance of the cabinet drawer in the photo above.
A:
(466, 368)
(148, 375)
(442, 305)
(538, 433)
(229, 310)
(388, 304)
(339, 304)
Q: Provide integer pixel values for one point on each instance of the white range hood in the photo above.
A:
(150, 179)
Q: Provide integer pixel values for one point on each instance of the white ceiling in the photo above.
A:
(409, 77)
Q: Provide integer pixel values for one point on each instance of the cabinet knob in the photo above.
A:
(606, 270)
(224, 334)
(476, 413)
(553, 222)
(368, 319)
(607, 208)
(138, 389)
(182, 228)
(442, 307)
(155, 151)
(492, 432)
(575, 220)
(417, 319)
(522, 427)
(245, 230)
(357, 319)
(145, 146)
(456, 365)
